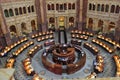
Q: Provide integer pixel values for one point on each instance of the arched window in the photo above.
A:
(57, 6)
(73, 6)
(48, 6)
(69, 6)
(102, 8)
(112, 9)
(93, 6)
(107, 8)
(11, 12)
(16, 11)
(20, 10)
(52, 6)
(51, 20)
(90, 6)
(6, 13)
(117, 9)
(61, 6)
(29, 9)
(32, 8)
(65, 6)
(24, 10)
(98, 7)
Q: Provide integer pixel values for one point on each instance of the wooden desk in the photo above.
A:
(7, 49)
(91, 48)
(76, 42)
(117, 61)
(109, 40)
(20, 49)
(103, 45)
(10, 63)
(99, 64)
(28, 67)
(34, 50)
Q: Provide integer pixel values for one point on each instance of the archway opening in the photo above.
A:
(71, 21)
(13, 31)
(111, 27)
(23, 29)
(52, 23)
(100, 25)
(90, 23)
(33, 25)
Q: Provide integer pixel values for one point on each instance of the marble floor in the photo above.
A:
(109, 65)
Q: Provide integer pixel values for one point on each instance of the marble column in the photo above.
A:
(6, 33)
(81, 11)
(38, 12)
(43, 15)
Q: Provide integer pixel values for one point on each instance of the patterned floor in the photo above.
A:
(109, 67)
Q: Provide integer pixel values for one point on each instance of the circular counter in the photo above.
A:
(63, 59)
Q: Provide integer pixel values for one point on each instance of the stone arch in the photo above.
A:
(23, 28)
(52, 22)
(13, 30)
(100, 25)
(33, 24)
(111, 26)
(90, 23)
(71, 21)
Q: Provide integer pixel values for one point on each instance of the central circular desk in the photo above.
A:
(64, 58)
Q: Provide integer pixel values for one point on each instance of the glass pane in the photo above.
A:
(98, 7)
(32, 8)
(107, 8)
(16, 11)
(11, 12)
(6, 13)
(24, 9)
